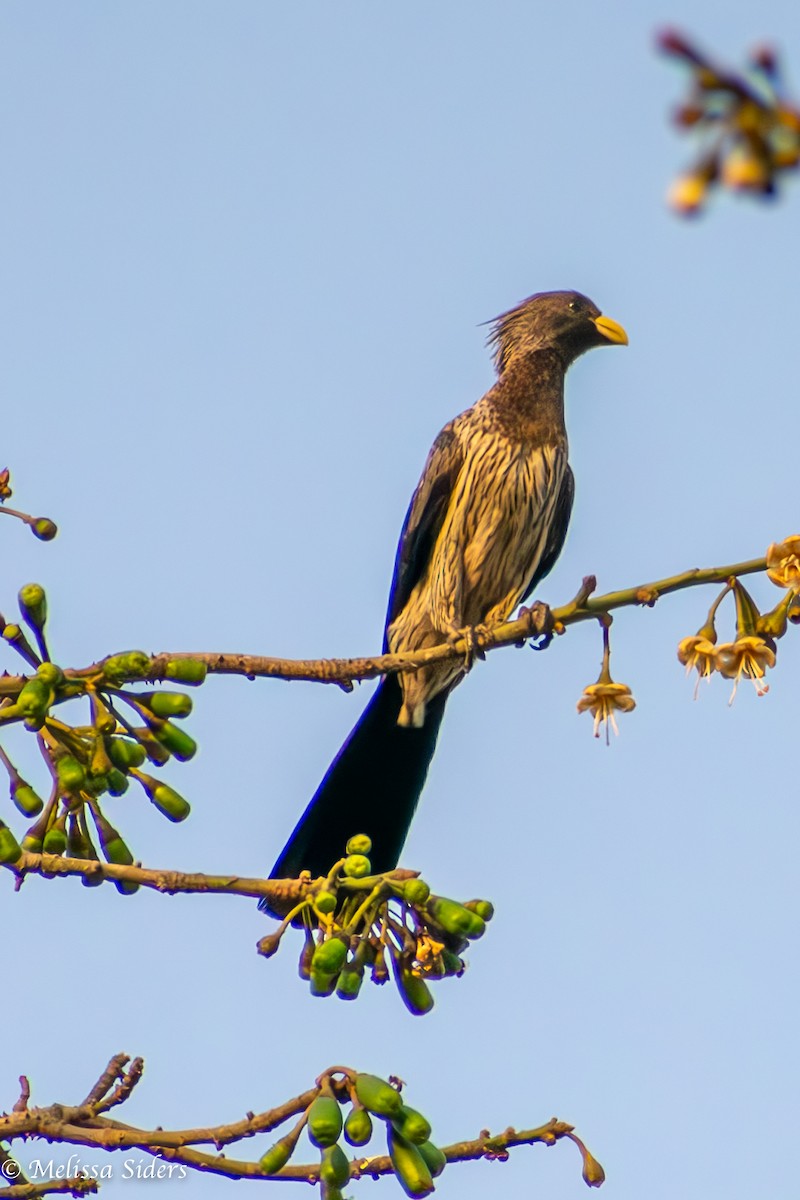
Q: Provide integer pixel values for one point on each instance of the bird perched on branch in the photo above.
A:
(486, 523)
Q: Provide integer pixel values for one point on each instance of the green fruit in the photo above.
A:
(453, 965)
(321, 985)
(409, 1166)
(133, 664)
(359, 843)
(26, 800)
(124, 753)
(10, 849)
(411, 1125)
(414, 991)
(117, 782)
(95, 785)
(71, 773)
(416, 892)
(185, 670)
(358, 1126)
(35, 698)
(433, 1158)
(325, 902)
(33, 605)
(55, 840)
(378, 1096)
(169, 802)
(167, 704)
(324, 1121)
(356, 866)
(278, 1155)
(454, 918)
(116, 851)
(175, 740)
(334, 1169)
(44, 529)
(349, 982)
(484, 908)
(329, 957)
(50, 674)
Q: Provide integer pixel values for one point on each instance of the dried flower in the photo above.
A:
(783, 563)
(427, 954)
(593, 1173)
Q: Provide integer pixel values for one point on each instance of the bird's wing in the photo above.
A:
(424, 518)
(557, 532)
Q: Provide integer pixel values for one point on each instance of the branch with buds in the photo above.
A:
(130, 728)
(370, 1102)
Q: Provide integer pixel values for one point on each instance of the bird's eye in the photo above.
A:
(575, 305)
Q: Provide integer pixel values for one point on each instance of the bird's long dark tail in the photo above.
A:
(372, 787)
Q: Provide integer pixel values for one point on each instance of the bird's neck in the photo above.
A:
(528, 399)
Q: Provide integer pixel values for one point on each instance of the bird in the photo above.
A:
(485, 525)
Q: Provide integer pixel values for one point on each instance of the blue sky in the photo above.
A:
(248, 248)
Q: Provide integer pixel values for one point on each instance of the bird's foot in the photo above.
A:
(541, 624)
(475, 638)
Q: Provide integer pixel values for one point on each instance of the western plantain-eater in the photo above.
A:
(486, 523)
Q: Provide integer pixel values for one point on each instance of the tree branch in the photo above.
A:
(345, 671)
(281, 892)
(80, 1125)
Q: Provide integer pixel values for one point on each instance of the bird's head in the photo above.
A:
(567, 322)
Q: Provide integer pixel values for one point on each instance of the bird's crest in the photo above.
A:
(511, 333)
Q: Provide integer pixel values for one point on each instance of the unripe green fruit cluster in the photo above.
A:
(90, 761)
(360, 917)
(416, 1160)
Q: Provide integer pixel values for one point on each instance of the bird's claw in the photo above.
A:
(474, 636)
(541, 623)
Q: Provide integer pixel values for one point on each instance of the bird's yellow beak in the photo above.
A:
(611, 330)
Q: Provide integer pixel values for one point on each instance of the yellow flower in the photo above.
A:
(783, 563)
(427, 954)
(602, 699)
(748, 656)
(698, 653)
(746, 170)
(687, 193)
